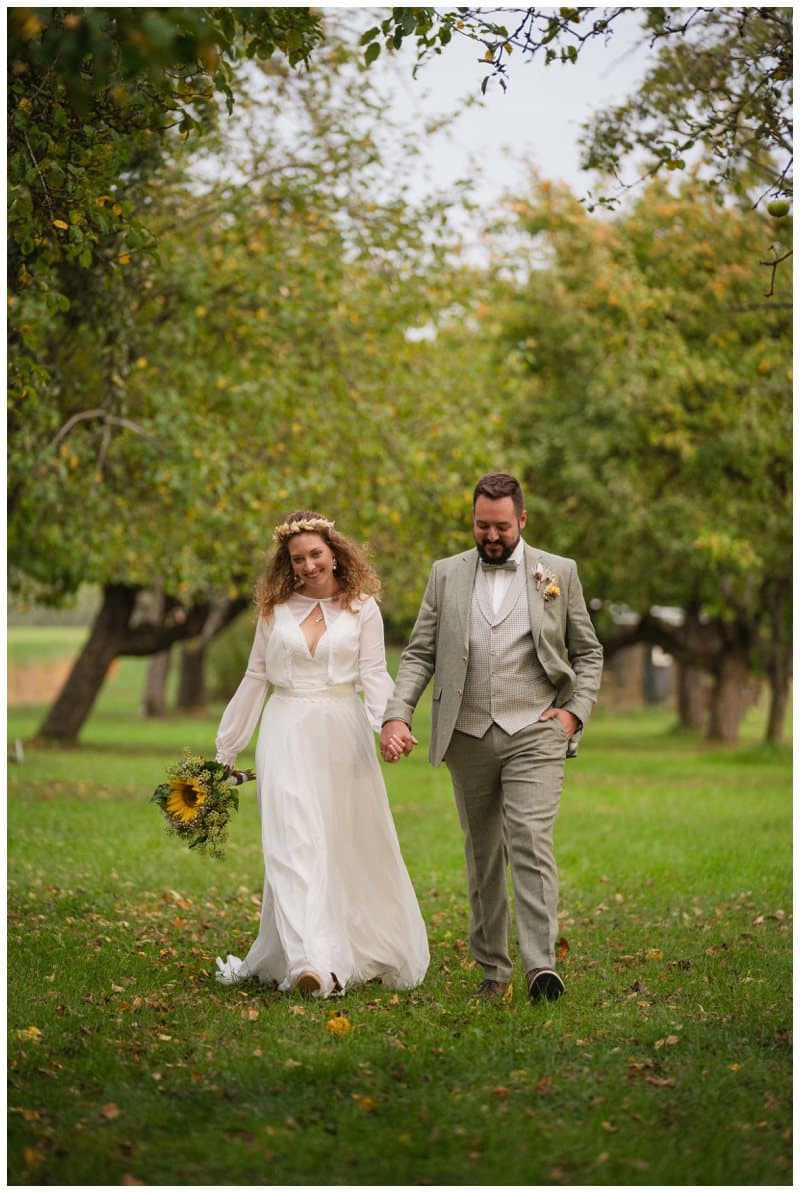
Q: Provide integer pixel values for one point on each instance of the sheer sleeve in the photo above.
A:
(240, 717)
(376, 681)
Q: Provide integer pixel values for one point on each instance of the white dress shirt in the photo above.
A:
(499, 579)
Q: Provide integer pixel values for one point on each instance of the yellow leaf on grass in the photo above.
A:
(110, 1111)
(33, 1034)
(364, 1102)
(339, 1024)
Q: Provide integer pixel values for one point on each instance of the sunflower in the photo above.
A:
(185, 799)
(197, 800)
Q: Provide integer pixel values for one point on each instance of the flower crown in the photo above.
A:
(287, 529)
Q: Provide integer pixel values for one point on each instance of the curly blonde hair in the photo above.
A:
(354, 574)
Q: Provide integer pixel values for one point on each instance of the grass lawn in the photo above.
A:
(669, 1061)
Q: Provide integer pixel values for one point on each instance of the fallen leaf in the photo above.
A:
(365, 1102)
(338, 1024)
(31, 1156)
(110, 1111)
(654, 954)
(562, 948)
(129, 1179)
(250, 1013)
(33, 1034)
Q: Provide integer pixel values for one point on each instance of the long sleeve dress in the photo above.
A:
(337, 896)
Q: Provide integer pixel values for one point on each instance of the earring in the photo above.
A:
(335, 565)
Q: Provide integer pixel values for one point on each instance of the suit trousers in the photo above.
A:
(507, 789)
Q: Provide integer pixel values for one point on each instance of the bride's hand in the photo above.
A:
(396, 740)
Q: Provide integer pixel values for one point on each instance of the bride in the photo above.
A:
(338, 905)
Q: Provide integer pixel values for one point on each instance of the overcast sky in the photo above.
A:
(537, 120)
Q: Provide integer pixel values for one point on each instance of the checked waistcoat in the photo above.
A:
(505, 682)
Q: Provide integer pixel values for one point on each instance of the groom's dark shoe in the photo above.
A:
(544, 984)
(490, 989)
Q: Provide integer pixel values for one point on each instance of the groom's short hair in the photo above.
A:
(499, 484)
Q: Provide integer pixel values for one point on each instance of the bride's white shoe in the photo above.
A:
(229, 972)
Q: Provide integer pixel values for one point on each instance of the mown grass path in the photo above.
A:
(667, 1063)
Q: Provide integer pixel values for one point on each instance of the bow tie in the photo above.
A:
(510, 565)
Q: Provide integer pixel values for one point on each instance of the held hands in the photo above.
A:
(568, 720)
(396, 740)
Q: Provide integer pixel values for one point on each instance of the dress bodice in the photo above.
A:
(335, 660)
(351, 651)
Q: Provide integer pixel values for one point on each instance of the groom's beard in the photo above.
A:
(497, 557)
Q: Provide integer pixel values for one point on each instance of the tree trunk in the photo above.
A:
(154, 696)
(776, 652)
(779, 676)
(728, 696)
(111, 635)
(191, 682)
(692, 697)
(76, 699)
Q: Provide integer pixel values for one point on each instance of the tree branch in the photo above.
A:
(109, 419)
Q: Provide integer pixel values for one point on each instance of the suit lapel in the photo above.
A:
(535, 598)
(466, 584)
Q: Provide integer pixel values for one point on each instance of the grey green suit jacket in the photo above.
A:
(562, 631)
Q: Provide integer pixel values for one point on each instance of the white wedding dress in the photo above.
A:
(337, 896)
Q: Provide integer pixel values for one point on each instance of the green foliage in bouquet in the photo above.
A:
(197, 800)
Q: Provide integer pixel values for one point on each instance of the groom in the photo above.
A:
(505, 634)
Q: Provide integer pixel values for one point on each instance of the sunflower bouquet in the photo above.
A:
(197, 800)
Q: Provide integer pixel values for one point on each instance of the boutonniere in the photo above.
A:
(546, 582)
